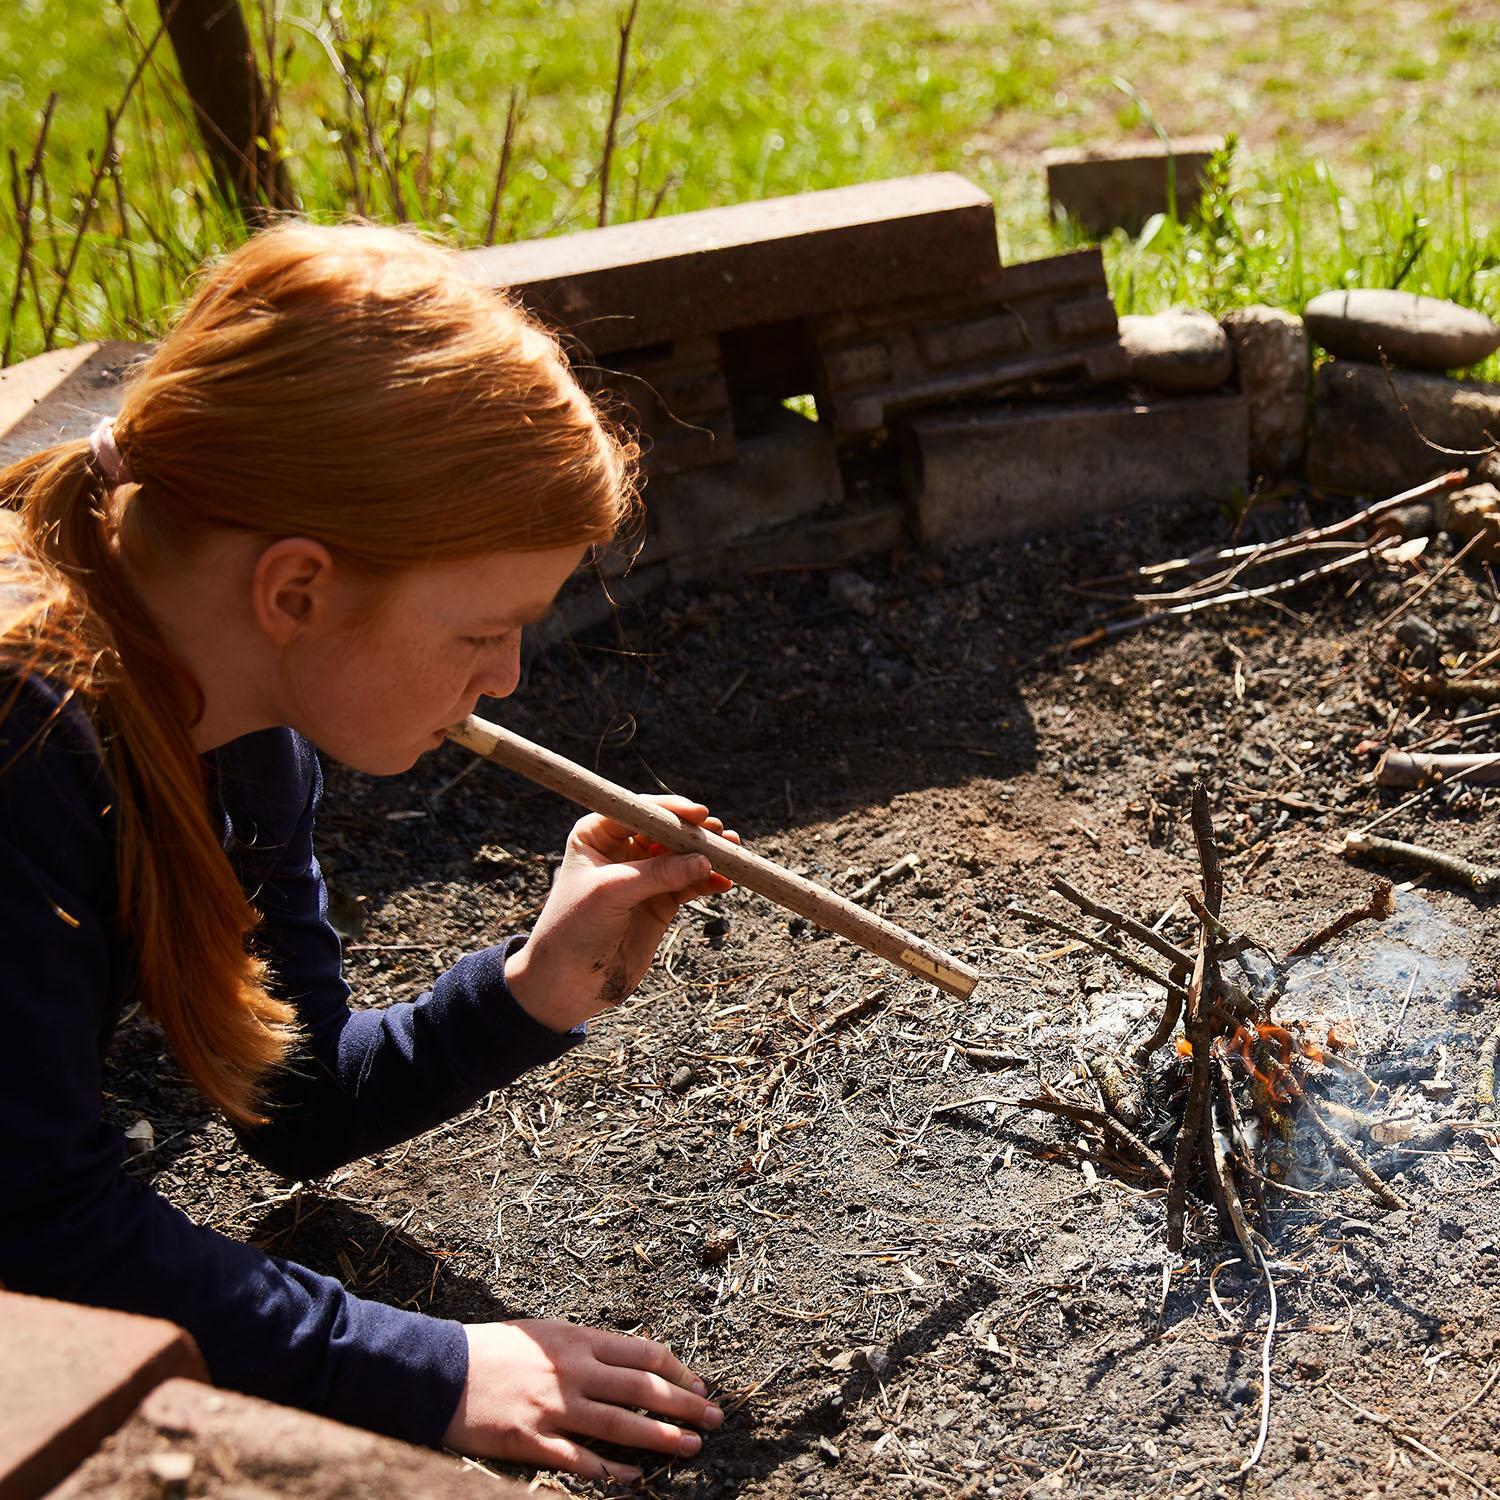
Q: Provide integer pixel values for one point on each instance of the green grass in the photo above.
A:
(1369, 135)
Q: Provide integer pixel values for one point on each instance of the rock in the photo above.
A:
(1421, 333)
(1361, 441)
(1271, 360)
(683, 1079)
(853, 592)
(981, 473)
(1105, 187)
(1180, 351)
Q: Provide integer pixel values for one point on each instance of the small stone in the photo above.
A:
(1183, 350)
(139, 1137)
(828, 1450)
(719, 1244)
(683, 1079)
(875, 1358)
(853, 592)
(1421, 333)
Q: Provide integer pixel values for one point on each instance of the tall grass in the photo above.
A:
(496, 119)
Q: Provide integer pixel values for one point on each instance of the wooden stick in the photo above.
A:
(763, 876)
(1482, 878)
(1401, 768)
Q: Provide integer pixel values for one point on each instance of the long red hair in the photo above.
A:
(347, 384)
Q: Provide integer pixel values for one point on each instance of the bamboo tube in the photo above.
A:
(766, 878)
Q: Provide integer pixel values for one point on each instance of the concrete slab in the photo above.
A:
(69, 1376)
(979, 474)
(628, 286)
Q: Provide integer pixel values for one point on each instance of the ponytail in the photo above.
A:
(181, 906)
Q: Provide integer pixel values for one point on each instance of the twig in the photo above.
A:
(1400, 768)
(819, 1033)
(1343, 1151)
(1265, 1370)
(1485, 879)
(627, 25)
(1401, 1435)
(502, 172)
(1189, 1132)
(1484, 1087)
(1084, 1114)
(23, 220)
(1118, 954)
(1380, 904)
(1468, 1406)
(1437, 577)
(1179, 960)
(1455, 689)
(907, 864)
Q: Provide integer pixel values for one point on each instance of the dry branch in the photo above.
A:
(1402, 768)
(1485, 879)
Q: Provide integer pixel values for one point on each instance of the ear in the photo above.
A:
(291, 587)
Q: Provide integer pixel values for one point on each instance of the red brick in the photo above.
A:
(192, 1439)
(68, 1377)
(629, 286)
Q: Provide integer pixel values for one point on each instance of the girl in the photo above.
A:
(332, 498)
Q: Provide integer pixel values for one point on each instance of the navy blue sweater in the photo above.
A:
(74, 1225)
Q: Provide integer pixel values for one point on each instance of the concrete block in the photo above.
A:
(679, 403)
(787, 470)
(978, 474)
(1361, 441)
(1271, 358)
(59, 396)
(189, 1439)
(1113, 187)
(628, 286)
(69, 1376)
(1041, 324)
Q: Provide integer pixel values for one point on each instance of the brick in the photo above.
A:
(678, 400)
(69, 1376)
(1361, 441)
(979, 474)
(1113, 187)
(192, 1439)
(629, 286)
(59, 396)
(1271, 361)
(1041, 324)
(786, 470)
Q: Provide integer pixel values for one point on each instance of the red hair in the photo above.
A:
(347, 384)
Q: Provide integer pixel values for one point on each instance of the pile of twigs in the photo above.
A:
(1227, 575)
(1247, 1072)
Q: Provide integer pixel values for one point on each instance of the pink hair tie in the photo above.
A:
(107, 453)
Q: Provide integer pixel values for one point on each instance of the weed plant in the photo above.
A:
(488, 120)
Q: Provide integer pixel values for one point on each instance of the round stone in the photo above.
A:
(1422, 333)
(1184, 350)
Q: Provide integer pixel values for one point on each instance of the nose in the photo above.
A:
(498, 678)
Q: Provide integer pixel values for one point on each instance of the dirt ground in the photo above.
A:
(898, 1283)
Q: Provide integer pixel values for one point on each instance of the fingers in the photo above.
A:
(640, 1388)
(563, 1453)
(629, 1429)
(628, 1351)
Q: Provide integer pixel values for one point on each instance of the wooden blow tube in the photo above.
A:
(763, 876)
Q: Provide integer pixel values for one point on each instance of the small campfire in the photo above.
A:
(1240, 1077)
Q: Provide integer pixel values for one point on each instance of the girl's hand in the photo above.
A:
(612, 900)
(535, 1387)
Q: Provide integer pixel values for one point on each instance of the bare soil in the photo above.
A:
(895, 1286)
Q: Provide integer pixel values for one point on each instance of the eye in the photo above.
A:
(488, 642)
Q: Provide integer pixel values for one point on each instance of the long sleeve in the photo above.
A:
(72, 1223)
(365, 1079)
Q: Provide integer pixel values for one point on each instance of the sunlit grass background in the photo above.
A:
(1368, 130)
